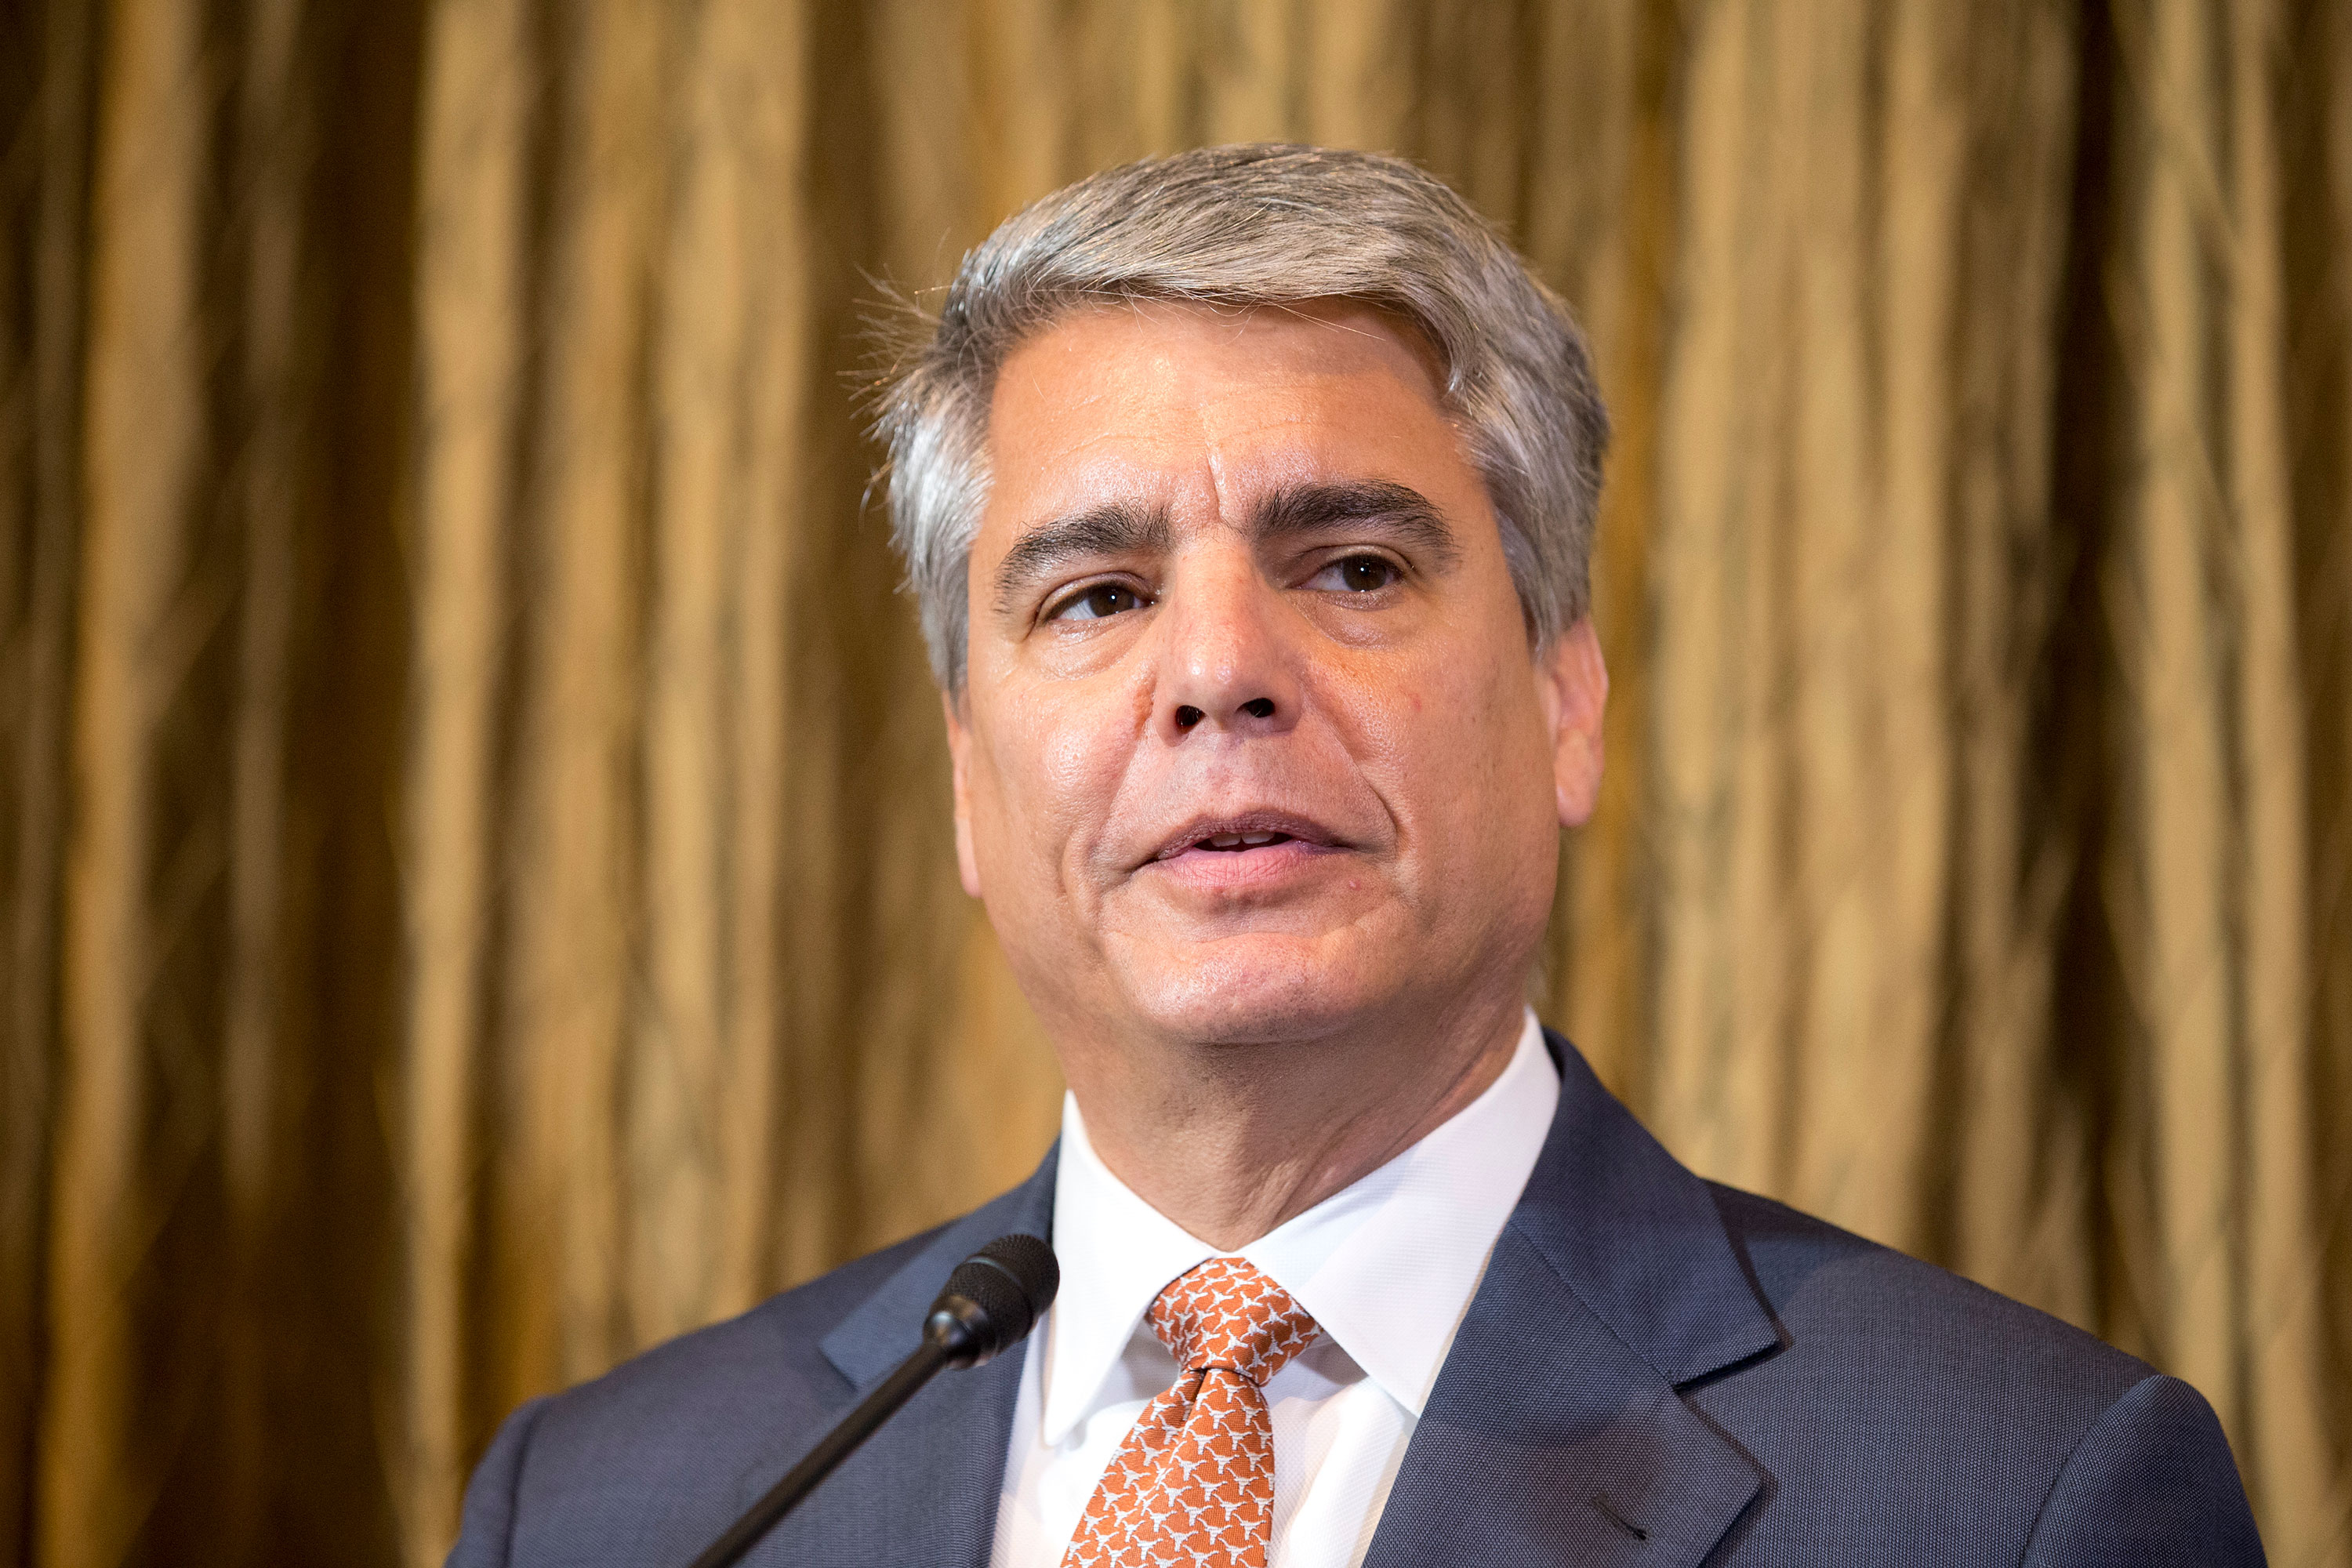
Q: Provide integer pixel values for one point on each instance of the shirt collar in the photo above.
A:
(1387, 1266)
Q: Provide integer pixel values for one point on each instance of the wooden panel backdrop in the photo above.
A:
(474, 884)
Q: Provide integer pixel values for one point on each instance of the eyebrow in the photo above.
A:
(1123, 528)
(1314, 508)
(1114, 528)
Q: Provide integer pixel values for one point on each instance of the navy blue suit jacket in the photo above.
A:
(1656, 1371)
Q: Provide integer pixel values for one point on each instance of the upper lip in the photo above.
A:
(1287, 823)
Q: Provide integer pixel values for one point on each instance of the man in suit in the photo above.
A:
(1247, 496)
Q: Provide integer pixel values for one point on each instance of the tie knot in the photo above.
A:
(1225, 1314)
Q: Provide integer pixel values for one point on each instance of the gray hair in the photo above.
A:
(1262, 225)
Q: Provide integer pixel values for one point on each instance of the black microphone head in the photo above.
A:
(994, 1298)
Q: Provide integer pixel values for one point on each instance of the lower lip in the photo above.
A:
(1237, 870)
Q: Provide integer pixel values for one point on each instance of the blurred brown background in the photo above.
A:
(476, 894)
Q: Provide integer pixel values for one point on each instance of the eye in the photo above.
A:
(1097, 602)
(1356, 574)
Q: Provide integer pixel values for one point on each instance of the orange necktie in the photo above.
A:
(1194, 1481)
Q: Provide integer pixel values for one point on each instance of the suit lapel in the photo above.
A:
(924, 1488)
(1556, 1431)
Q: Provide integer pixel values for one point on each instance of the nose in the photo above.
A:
(1227, 666)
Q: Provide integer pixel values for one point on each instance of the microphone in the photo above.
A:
(991, 1301)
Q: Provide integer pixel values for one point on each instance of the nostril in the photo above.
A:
(1188, 717)
(1259, 707)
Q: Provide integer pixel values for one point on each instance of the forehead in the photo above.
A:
(1155, 395)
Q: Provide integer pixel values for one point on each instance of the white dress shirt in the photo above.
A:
(1386, 1266)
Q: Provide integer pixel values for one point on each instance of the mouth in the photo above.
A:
(1240, 834)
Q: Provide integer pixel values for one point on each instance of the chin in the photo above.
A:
(1256, 989)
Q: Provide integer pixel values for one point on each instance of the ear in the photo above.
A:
(1574, 685)
(959, 756)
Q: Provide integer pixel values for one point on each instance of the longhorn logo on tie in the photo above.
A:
(1193, 1483)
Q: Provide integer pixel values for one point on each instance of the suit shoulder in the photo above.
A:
(769, 1352)
(628, 1467)
(655, 1455)
(1839, 1295)
(1902, 1394)
(659, 1450)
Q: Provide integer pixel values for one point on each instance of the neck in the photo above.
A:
(1229, 1141)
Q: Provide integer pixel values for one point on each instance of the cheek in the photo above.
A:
(1053, 772)
(1071, 763)
(1461, 742)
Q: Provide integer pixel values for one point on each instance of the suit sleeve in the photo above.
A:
(486, 1532)
(2153, 1482)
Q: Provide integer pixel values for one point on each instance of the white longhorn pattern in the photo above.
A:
(1192, 1482)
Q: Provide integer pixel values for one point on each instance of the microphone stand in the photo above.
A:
(929, 1359)
(991, 1301)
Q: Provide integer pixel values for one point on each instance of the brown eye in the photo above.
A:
(1104, 599)
(1358, 575)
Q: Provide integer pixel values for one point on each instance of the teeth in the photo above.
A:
(1239, 840)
